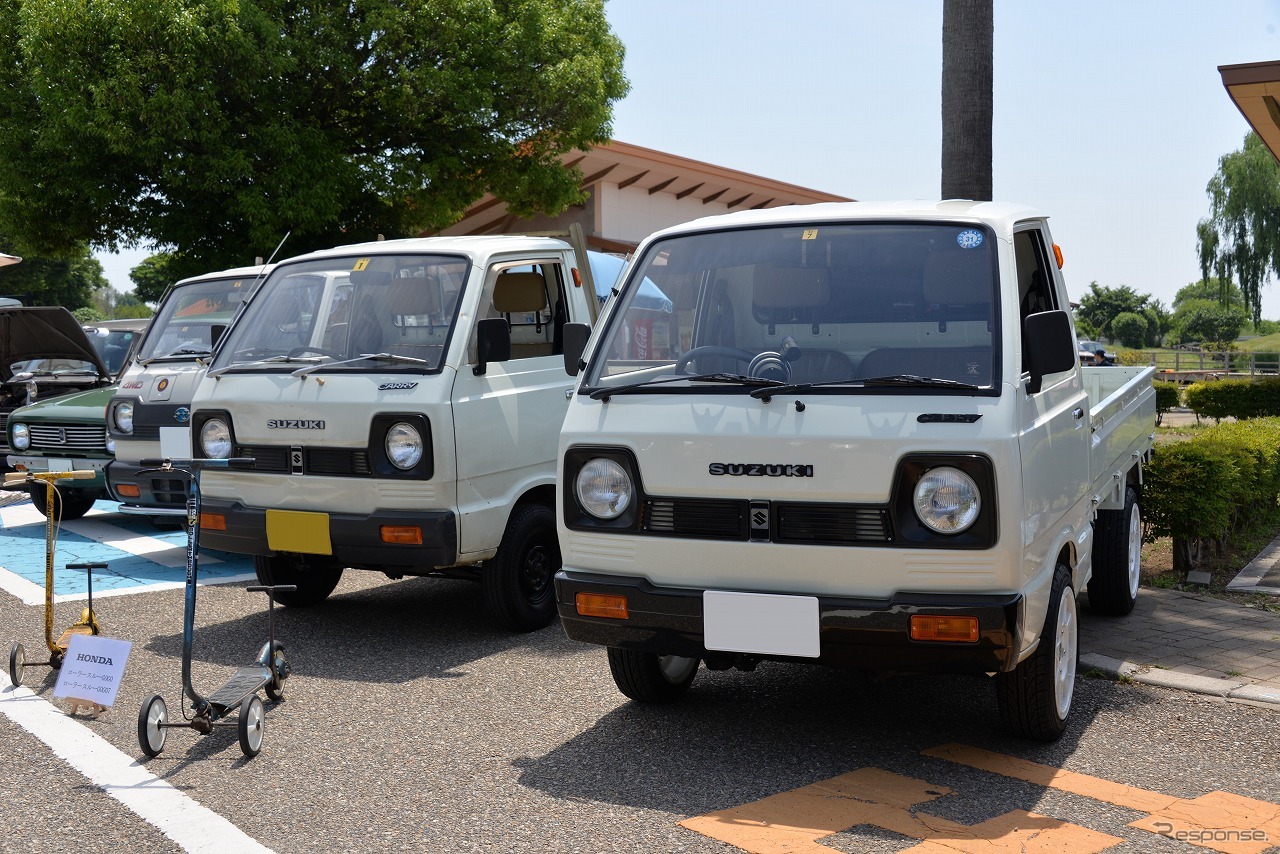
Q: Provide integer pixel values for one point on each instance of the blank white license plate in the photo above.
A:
(56, 464)
(762, 623)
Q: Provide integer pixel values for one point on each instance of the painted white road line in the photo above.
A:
(179, 817)
(27, 592)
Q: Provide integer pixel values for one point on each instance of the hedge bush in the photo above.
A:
(1218, 482)
(1220, 399)
(1168, 396)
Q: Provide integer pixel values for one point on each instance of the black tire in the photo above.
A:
(1035, 697)
(518, 582)
(647, 677)
(67, 503)
(279, 672)
(315, 581)
(151, 730)
(1117, 558)
(17, 663)
(250, 725)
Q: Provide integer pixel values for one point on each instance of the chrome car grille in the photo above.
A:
(68, 437)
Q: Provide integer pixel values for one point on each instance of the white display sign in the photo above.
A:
(92, 669)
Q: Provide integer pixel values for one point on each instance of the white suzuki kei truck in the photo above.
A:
(860, 437)
(149, 416)
(400, 402)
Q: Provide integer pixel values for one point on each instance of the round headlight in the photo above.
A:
(947, 500)
(21, 437)
(604, 488)
(404, 445)
(215, 439)
(122, 416)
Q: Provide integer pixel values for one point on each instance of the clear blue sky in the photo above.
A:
(1109, 116)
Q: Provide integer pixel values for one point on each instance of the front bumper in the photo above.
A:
(356, 538)
(160, 493)
(43, 464)
(863, 634)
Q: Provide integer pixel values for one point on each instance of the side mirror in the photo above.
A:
(575, 344)
(493, 343)
(1050, 345)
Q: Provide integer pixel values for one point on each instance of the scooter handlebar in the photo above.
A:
(14, 478)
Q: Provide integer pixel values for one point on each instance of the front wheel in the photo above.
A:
(17, 663)
(250, 725)
(67, 503)
(314, 582)
(152, 718)
(518, 582)
(1035, 697)
(1117, 558)
(647, 677)
(279, 672)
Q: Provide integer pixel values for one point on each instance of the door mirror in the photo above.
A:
(575, 344)
(493, 343)
(1050, 345)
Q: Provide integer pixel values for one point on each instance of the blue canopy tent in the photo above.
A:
(607, 270)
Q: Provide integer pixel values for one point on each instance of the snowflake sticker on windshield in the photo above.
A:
(969, 238)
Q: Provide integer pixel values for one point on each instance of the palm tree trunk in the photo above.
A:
(968, 33)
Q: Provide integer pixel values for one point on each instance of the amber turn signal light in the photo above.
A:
(404, 535)
(953, 629)
(213, 522)
(610, 605)
(129, 490)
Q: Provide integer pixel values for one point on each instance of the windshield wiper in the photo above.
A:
(913, 379)
(787, 388)
(737, 379)
(382, 357)
(217, 372)
(176, 354)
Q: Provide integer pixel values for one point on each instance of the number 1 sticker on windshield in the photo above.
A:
(360, 265)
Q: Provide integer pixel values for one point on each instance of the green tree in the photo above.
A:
(1241, 237)
(1101, 305)
(1129, 328)
(1211, 288)
(1209, 321)
(153, 276)
(70, 280)
(968, 38)
(212, 129)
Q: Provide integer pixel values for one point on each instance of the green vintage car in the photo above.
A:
(70, 431)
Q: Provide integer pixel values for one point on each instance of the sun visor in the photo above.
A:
(43, 332)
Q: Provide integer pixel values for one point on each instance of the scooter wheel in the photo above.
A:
(251, 722)
(279, 672)
(17, 663)
(152, 718)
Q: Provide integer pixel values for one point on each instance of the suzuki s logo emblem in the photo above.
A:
(182, 415)
(295, 460)
(759, 518)
(61, 435)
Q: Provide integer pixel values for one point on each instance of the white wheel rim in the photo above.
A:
(676, 668)
(1135, 551)
(1064, 653)
(253, 724)
(157, 714)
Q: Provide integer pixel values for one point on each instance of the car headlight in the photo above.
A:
(122, 416)
(215, 439)
(404, 445)
(21, 437)
(604, 488)
(947, 500)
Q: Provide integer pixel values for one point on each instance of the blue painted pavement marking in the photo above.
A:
(138, 555)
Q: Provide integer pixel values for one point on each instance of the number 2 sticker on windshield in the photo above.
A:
(969, 238)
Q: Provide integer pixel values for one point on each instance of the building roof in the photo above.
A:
(1255, 89)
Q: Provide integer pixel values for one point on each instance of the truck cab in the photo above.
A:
(401, 403)
(857, 435)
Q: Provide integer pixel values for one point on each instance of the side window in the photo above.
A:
(531, 298)
(1035, 279)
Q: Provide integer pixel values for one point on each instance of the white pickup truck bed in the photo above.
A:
(1122, 421)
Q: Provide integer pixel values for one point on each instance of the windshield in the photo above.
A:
(192, 317)
(839, 305)
(334, 310)
(113, 346)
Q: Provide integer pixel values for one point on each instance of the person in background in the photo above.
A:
(1103, 358)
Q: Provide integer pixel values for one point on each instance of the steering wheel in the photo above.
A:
(744, 356)
(319, 351)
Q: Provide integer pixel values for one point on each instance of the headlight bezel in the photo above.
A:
(117, 419)
(910, 532)
(575, 515)
(380, 461)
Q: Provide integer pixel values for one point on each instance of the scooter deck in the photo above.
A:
(244, 682)
(64, 640)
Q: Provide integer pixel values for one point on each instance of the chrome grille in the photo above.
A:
(65, 437)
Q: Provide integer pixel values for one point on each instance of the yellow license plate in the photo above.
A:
(300, 532)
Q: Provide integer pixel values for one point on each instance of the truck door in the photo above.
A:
(507, 420)
(1054, 421)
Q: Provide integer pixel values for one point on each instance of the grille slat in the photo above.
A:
(68, 437)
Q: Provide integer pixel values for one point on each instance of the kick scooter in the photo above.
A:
(88, 624)
(235, 704)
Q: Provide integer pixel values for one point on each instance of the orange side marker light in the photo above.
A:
(610, 605)
(952, 629)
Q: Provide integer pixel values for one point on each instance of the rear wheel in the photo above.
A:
(152, 718)
(1035, 697)
(67, 503)
(314, 581)
(518, 583)
(647, 677)
(17, 663)
(250, 725)
(1117, 558)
